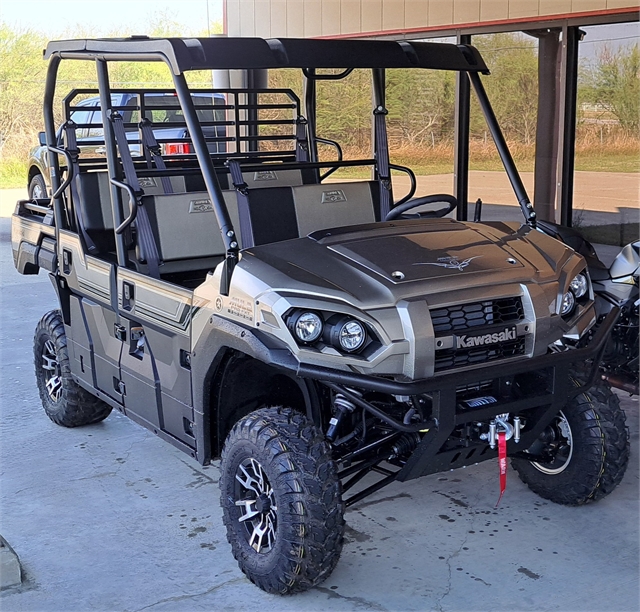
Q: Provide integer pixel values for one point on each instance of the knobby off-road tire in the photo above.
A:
(281, 501)
(64, 401)
(593, 450)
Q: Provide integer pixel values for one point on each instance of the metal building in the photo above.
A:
(555, 23)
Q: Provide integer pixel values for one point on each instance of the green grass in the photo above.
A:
(608, 162)
(13, 173)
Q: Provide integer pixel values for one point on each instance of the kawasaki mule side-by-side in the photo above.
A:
(321, 335)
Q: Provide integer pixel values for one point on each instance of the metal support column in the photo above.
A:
(571, 37)
(378, 98)
(546, 157)
(461, 161)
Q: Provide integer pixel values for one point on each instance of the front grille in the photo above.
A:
(472, 318)
(466, 317)
(461, 357)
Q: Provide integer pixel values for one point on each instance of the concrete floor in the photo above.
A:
(109, 517)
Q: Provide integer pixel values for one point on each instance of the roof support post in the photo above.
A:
(210, 180)
(503, 150)
(378, 99)
(461, 161)
(546, 156)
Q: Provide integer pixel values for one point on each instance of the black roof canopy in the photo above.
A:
(184, 54)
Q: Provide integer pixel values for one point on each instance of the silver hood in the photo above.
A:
(381, 264)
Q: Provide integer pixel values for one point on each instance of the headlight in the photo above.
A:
(307, 327)
(352, 336)
(568, 303)
(345, 334)
(579, 285)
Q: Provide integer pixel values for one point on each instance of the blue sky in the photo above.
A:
(103, 17)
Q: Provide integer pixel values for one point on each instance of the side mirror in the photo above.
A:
(42, 139)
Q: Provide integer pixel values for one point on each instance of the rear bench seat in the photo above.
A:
(186, 230)
(95, 199)
(94, 188)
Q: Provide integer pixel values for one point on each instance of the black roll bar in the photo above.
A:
(210, 179)
(113, 164)
(310, 110)
(503, 150)
(50, 132)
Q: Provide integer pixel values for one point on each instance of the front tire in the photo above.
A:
(281, 501)
(589, 443)
(64, 401)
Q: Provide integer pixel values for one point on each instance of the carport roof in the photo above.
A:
(184, 54)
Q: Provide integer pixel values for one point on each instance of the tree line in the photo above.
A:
(420, 103)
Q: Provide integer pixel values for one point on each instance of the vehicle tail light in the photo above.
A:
(176, 148)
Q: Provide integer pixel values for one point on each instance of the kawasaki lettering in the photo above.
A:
(503, 336)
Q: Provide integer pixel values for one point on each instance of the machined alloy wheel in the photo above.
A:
(37, 188)
(53, 382)
(558, 435)
(254, 495)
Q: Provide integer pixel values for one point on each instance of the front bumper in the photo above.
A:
(540, 406)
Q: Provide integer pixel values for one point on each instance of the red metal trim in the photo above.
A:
(462, 26)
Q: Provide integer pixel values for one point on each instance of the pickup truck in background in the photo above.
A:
(160, 107)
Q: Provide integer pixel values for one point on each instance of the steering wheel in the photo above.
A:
(398, 211)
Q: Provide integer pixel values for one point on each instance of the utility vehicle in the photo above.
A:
(321, 335)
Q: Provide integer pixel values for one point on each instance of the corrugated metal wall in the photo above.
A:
(310, 18)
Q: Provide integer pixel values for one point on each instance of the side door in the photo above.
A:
(92, 336)
(155, 365)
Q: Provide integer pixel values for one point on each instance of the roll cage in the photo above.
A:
(309, 55)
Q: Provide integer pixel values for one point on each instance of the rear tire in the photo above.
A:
(64, 401)
(281, 501)
(590, 442)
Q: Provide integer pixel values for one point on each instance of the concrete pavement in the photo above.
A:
(109, 517)
(599, 197)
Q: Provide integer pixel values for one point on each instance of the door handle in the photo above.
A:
(128, 295)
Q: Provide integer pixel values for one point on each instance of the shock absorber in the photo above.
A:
(342, 406)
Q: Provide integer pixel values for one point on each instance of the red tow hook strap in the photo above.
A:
(502, 463)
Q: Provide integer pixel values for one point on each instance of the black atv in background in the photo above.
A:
(613, 287)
